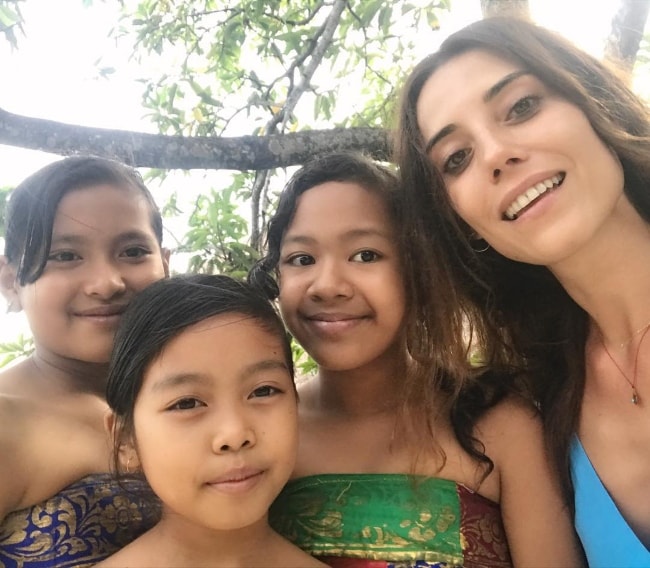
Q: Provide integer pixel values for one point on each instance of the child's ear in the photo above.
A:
(9, 286)
(126, 454)
(166, 253)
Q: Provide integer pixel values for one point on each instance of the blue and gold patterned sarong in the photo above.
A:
(84, 523)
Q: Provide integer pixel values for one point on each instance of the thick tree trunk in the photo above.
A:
(518, 8)
(627, 31)
(178, 152)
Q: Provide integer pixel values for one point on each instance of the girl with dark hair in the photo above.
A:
(399, 463)
(83, 235)
(525, 166)
(204, 409)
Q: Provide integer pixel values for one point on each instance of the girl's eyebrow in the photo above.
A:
(183, 379)
(348, 235)
(73, 239)
(178, 379)
(67, 239)
(135, 235)
(492, 92)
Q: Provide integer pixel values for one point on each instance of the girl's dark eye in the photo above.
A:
(366, 256)
(136, 252)
(301, 260)
(186, 404)
(264, 391)
(63, 256)
(524, 107)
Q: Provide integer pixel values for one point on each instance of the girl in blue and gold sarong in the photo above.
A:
(402, 461)
(83, 235)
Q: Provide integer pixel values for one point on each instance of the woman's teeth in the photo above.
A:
(531, 194)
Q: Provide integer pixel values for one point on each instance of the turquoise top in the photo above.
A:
(608, 540)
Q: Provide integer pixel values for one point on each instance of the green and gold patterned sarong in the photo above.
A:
(391, 520)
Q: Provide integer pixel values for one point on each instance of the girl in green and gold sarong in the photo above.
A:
(404, 460)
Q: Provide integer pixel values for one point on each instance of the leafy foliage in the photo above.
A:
(22, 347)
(305, 366)
(262, 67)
(11, 20)
(216, 236)
(228, 67)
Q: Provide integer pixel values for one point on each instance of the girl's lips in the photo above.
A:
(237, 481)
(332, 326)
(103, 311)
(108, 316)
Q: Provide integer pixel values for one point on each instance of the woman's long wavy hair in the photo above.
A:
(519, 315)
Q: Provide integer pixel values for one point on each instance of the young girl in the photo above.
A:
(397, 465)
(204, 408)
(83, 235)
(517, 144)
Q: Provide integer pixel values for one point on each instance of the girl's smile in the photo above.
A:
(103, 252)
(238, 480)
(215, 428)
(341, 291)
(333, 325)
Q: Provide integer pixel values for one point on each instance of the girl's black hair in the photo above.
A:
(33, 204)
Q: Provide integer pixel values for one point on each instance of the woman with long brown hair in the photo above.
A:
(525, 163)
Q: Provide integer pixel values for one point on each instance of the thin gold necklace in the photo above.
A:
(644, 327)
(635, 395)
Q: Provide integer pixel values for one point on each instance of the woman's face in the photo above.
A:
(522, 166)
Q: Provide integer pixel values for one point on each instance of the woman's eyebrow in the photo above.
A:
(492, 92)
(495, 89)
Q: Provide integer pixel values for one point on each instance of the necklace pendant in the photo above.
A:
(635, 397)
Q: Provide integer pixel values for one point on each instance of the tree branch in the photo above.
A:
(517, 8)
(324, 41)
(185, 152)
(627, 31)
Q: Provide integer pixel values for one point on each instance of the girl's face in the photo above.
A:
(523, 167)
(215, 423)
(103, 251)
(341, 290)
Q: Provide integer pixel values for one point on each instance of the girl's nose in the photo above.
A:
(105, 280)
(330, 281)
(233, 433)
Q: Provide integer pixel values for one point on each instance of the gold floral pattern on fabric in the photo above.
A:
(372, 516)
(83, 524)
(484, 538)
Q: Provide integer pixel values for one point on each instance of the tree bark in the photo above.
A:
(180, 152)
(625, 37)
(517, 8)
